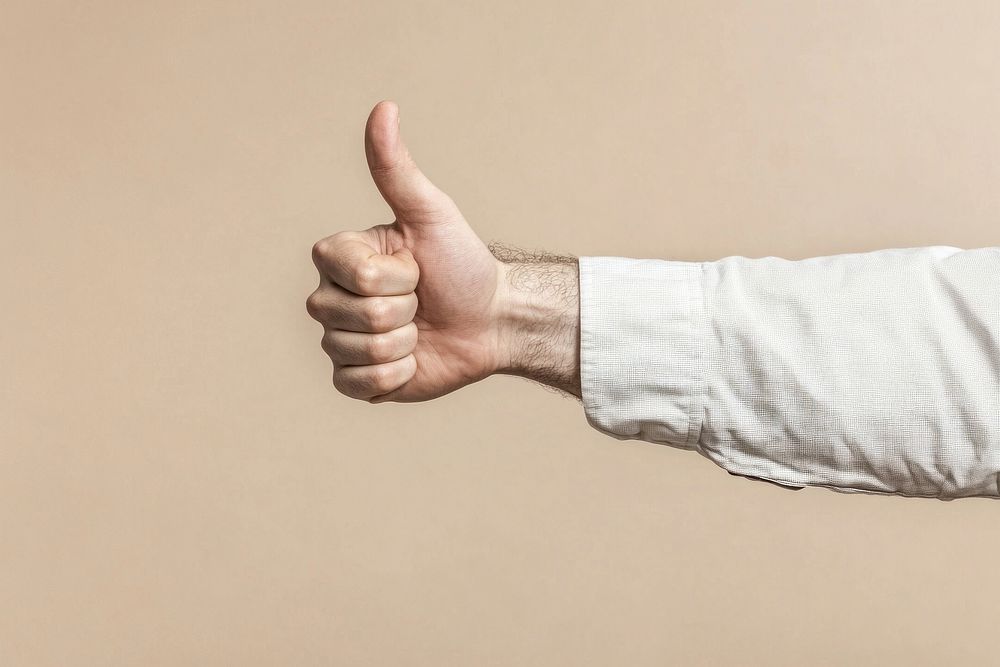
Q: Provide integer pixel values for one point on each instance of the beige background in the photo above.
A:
(181, 484)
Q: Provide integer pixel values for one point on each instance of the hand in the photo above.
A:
(410, 309)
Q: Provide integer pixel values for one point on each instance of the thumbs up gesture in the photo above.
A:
(411, 310)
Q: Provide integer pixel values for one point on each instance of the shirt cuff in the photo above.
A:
(642, 348)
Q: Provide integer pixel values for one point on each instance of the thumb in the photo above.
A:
(403, 186)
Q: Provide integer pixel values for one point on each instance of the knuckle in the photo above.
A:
(320, 250)
(329, 344)
(314, 305)
(377, 313)
(379, 348)
(367, 277)
(382, 378)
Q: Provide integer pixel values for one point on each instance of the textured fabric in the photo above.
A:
(874, 372)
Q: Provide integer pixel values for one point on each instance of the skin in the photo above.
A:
(419, 307)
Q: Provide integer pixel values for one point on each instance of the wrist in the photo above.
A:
(538, 321)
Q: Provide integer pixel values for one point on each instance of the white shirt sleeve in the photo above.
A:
(874, 372)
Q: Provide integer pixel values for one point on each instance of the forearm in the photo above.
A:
(539, 317)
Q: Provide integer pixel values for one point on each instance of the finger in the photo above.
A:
(354, 348)
(368, 381)
(349, 260)
(336, 308)
(403, 186)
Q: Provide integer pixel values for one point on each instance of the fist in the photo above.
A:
(412, 309)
